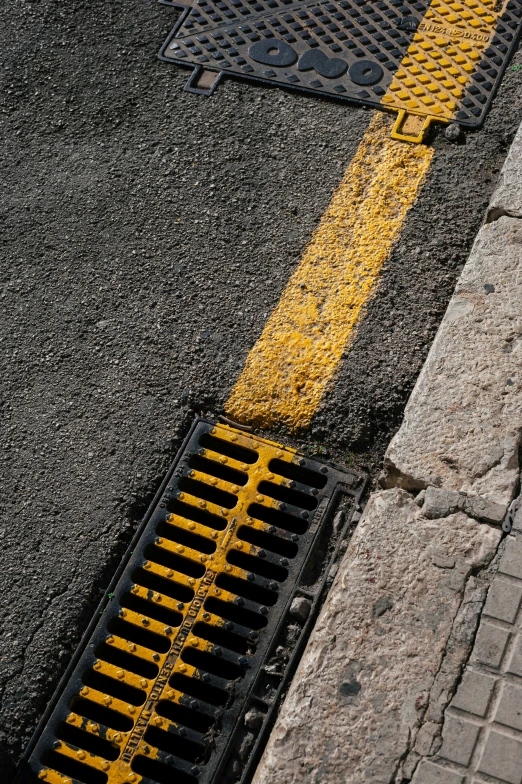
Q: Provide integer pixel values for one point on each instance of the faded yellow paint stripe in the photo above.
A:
(289, 367)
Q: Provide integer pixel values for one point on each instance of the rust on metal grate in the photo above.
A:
(428, 60)
(178, 678)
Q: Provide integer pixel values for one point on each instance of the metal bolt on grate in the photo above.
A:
(179, 677)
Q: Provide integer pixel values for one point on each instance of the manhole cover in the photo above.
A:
(436, 61)
(179, 675)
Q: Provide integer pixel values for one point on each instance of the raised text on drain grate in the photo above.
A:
(179, 656)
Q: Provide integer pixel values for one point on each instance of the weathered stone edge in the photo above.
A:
(404, 579)
(440, 501)
(507, 197)
(476, 738)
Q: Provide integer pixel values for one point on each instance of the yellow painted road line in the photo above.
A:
(290, 366)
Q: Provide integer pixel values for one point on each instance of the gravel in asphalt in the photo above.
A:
(149, 233)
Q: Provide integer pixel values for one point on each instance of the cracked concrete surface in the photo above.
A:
(440, 503)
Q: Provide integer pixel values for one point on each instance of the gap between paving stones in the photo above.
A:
(482, 731)
(462, 641)
(389, 646)
(460, 436)
(367, 703)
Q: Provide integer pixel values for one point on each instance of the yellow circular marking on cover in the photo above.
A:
(290, 366)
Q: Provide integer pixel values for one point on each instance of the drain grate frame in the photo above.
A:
(182, 669)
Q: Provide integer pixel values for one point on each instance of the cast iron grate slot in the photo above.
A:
(269, 542)
(287, 495)
(156, 582)
(139, 636)
(184, 642)
(180, 535)
(256, 593)
(174, 744)
(219, 470)
(229, 449)
(164, 557)
(255, 564)
(71, 767)
(208, 493)
(298, 473)
(114, 688)
(271, 516)
(199, 689)
(150, 610)
(126, 661)
(94, 744)
(212, 663)
(100, 714)
(185, 716)
(220, 636)
(235, 614)
(195, 514)
(160, 773)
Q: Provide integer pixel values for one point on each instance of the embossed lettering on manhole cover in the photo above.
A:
(179, 676)
(435, 61)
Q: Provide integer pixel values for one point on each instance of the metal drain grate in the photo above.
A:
(179, 678)
(435, 59)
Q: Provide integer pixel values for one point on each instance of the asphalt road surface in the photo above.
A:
(148, 235)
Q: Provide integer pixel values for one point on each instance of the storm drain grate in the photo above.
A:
(179, 678)
(434, 59)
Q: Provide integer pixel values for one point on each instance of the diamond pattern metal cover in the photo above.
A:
(441, 60)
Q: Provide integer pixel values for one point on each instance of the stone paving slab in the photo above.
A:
(391, 640)
(482, 732)
(462, 424)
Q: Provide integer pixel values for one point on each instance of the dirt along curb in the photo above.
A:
(368, 702)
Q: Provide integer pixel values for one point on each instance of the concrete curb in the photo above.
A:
(507, 199)
(404, 601)
(369, 702)
(462, 424)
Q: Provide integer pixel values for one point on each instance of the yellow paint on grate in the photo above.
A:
(131, 744)
(442, 57)
(293, 361)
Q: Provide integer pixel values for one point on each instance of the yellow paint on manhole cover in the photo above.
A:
(183, 667)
